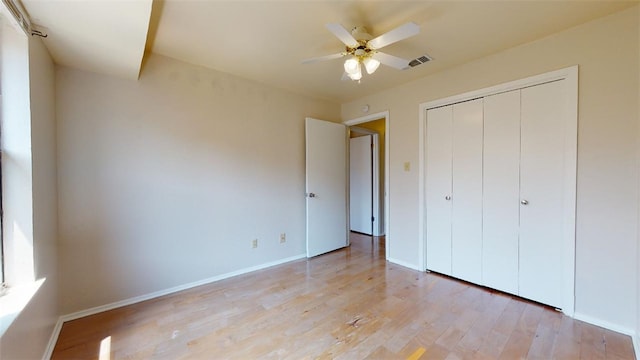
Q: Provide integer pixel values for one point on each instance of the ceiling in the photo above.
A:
(266, 40)
(95, 35)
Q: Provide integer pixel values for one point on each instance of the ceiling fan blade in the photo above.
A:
(341, 33)
(322, 58)
(400, 33)
(390, 60)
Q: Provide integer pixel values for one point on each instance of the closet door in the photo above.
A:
(501, 191)
(541, 193)
(438, 189)
(466, 198)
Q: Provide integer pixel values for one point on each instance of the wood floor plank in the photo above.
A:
(542, 343)
(517, 346)
(568, 340)
(380, 353)
(435, 352)
(493, 344)
(616, 345)
(450, 338)
(472, 341)
(412, 350)
(348, 304)
(509, 318)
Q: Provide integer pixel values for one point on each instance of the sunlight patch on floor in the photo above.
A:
(417, 354)
(105, 349)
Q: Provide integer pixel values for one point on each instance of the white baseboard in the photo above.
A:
(605, 324)
(405, 264)
(53, 340)
(153, 295)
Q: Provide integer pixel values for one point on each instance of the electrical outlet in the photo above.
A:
(254, 243)
(283, 238)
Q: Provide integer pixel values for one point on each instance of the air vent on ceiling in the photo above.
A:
(419, 60)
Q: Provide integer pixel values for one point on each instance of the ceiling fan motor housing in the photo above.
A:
(361, 51)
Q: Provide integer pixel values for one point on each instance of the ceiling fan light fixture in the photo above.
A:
(371, 65)
(357, 75)
(361, 48)
(352, 66)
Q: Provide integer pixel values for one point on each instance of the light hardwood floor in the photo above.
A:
(349, 304)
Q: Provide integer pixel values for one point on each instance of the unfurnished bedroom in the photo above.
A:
(216, 179)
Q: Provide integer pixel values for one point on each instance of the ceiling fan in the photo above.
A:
(362, 49)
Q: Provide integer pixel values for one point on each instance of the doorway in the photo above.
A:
(364, 181)
(376, 125)
(361, 181)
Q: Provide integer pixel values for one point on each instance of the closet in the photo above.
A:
(496, 194)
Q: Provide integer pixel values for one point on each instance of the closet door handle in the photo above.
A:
(448, 197)
(524, 202)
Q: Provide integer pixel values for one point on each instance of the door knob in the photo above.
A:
(524, 202)
(311, 195)
(448, 197)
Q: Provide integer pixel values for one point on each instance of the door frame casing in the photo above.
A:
(363, 119)
(570, 76)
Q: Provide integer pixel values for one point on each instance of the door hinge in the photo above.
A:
(373, 219)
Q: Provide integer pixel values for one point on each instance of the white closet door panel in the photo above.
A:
(466, 223)
(501, 191)
(438, 191)
(541, 188)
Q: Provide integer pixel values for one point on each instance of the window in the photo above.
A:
(16, 172)
(15, 147)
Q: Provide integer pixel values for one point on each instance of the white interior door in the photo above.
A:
(378, 188)
(501, 191)
(360, 184)
(438, 189)
(326, 186)
(542, 193)
(466, 198)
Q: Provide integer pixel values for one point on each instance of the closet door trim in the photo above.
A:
(570, 77)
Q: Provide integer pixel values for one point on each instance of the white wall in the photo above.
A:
(166, 181)
(607, 51)
(30, 193)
